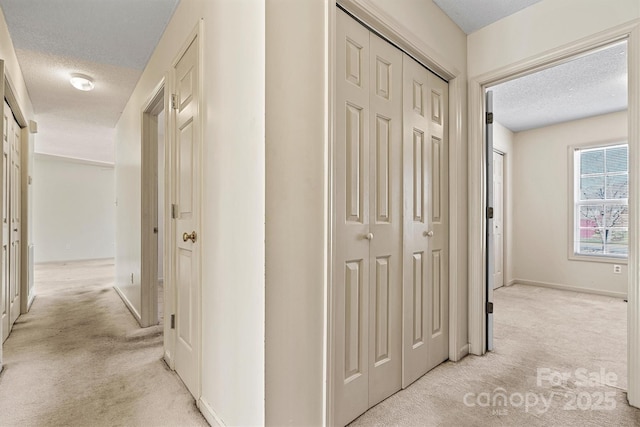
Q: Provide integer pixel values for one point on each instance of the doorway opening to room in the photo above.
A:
(557, 226)
(153, 209)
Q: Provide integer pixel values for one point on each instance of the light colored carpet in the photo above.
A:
(78, 358)
(535, 328)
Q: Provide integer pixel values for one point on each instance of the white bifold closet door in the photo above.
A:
(368, 209)
(390, 241)
(11, 224)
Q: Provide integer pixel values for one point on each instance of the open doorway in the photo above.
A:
(559, 181)
(153, 209)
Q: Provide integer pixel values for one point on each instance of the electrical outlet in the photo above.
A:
(617, 269)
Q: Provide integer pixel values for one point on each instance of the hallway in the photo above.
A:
(79, 358)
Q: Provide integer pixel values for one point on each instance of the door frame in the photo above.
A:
(477, 183)
(156, 103)
(393, 31)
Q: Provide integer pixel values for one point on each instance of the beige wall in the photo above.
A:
(541, 206)
(544, 26)
(73, 211)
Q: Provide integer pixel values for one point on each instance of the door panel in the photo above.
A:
(426, 232)
(187, 251)
(385, 223)
(490, 263)
(498, 219)
(6, 218)
(351, 199)
(438, 341)
(417, 188)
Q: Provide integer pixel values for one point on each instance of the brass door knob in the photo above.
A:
(193, 236)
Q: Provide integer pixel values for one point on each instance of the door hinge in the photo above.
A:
(173, 321)
(490, 212)
(489, 308)
(174, 101)
(174, 211)
(489, 118)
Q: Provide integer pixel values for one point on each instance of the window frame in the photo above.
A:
(573, 216)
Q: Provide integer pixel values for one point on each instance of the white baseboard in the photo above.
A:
(463, 352)
(621, 295)
(128, 304)
(209, 414)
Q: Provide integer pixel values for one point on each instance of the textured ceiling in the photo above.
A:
(588, 86)
(471, 15)
(109, 40)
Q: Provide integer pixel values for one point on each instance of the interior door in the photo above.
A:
(187, 217)
(498, 219)
(16, 226)
(490, 262)
(426, 259)
(6, 218)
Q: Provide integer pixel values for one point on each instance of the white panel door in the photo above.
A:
(351, 206)
(426, 296)
(498, 219)
(6, 219)
(187, 216)
(16, 223)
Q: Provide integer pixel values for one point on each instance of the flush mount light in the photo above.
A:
(82, 82)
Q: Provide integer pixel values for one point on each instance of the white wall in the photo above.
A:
(503, 140)
(541, 206)
(232, 235)
(73, 211)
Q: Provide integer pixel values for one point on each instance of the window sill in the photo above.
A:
(595, 258)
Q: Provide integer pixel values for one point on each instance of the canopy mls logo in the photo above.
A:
(499, 401)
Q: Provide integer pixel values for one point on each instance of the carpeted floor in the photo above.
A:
(78, 358)
(540, 334)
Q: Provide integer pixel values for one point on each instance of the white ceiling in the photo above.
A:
(471, 15)
(588, 86)
(584, 87)
(109, 40)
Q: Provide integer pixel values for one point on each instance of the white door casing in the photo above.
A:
(16, 226)
(498, 219)
(426, 233)
(187, 178)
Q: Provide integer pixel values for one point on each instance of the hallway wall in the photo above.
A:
(73, 210)
(232, 234)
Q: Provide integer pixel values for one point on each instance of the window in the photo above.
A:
(601, 212)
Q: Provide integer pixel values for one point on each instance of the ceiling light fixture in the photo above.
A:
(82, 82)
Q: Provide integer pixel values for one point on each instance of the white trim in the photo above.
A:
(631, 31)
(130, 306)
(571, 288)
(209, 414)
(155, 104)
(57, 157)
